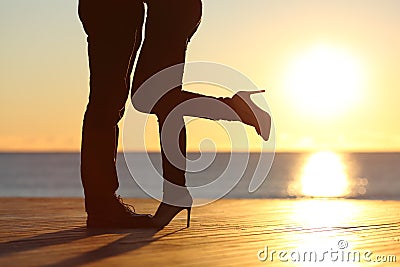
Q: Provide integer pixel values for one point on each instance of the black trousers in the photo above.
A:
(114, 34)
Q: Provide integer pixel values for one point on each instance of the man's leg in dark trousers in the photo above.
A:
(114, 34)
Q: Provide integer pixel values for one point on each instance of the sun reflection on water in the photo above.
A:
(324, 175)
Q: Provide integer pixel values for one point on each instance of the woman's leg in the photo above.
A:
(169, 26)
(168, 31)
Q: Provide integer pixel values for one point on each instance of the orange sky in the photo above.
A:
(44, 73)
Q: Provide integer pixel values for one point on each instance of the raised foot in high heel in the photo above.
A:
(250, 113)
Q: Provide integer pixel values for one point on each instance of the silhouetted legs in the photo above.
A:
(114, 31)
(169, 27)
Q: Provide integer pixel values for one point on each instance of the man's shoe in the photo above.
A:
(117, 214)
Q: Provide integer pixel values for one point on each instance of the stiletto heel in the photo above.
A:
(165, 213)
(189, 209)
(250, 113)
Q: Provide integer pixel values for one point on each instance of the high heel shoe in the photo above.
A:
(165, 213)
(250, 113)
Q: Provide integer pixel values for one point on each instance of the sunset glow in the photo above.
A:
(329, 68)
(325, 81)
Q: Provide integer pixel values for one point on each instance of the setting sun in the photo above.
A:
(324, 80)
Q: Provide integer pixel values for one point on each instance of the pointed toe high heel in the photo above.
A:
(174, 201)
(250, 113)
(165, 213)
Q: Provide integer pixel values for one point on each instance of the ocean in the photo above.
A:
(292, 175)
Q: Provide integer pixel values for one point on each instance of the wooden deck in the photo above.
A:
(51, 232)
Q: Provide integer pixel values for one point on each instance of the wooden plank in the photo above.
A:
(51, 232)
